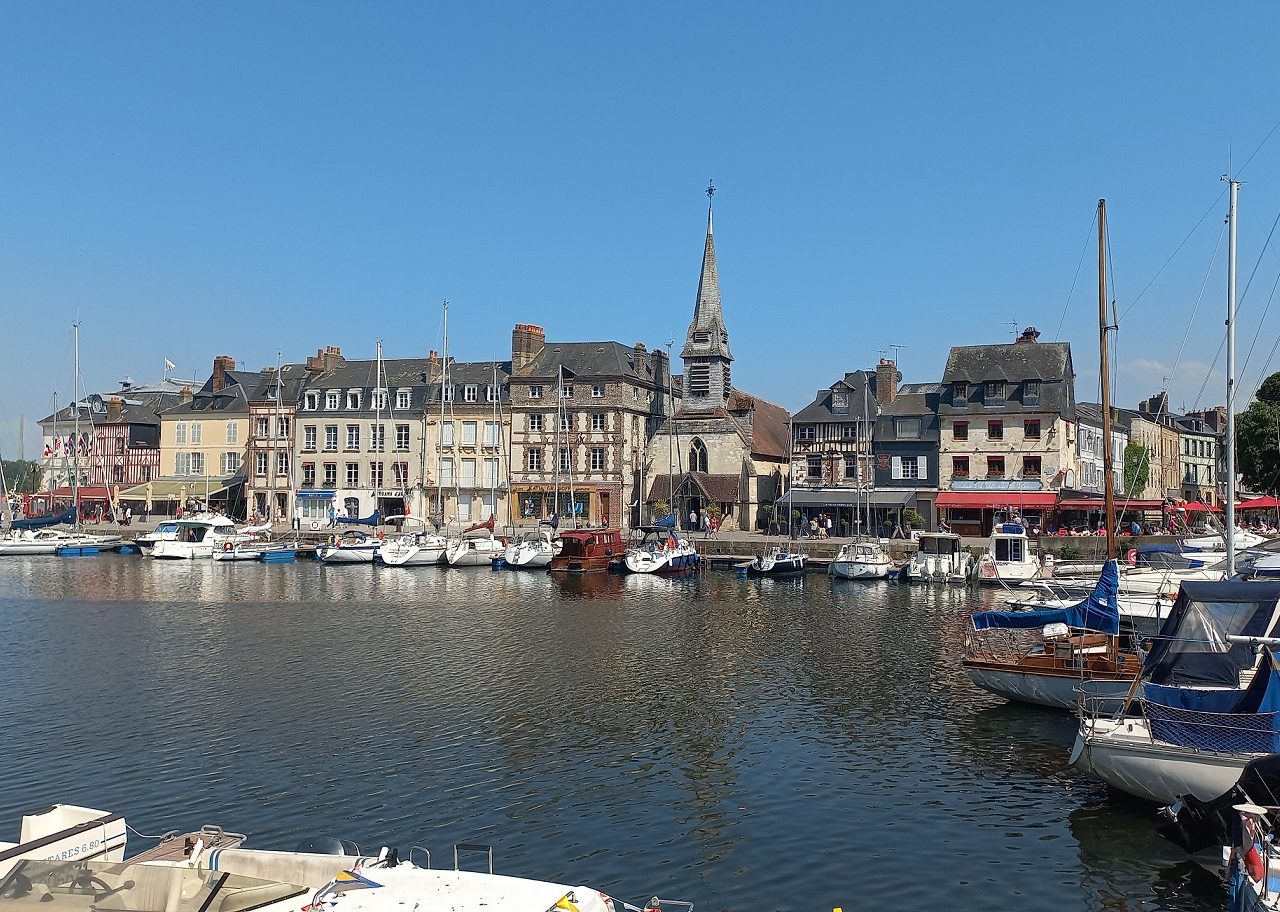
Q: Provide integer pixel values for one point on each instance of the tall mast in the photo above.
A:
(671, 444)
(573, 503)
(1104, 376)
(274, 465)
(378, 443)
(444, 385)
(1230, 505)
(497, 444)
(75, 447)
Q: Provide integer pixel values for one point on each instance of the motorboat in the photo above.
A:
(165, 531)
(1077, 644)
(68, 832)
(660, 550)
(1206, 703)
(778, 561)
(196, 537)
(413, 548)
(939, 557)
(1008, 559)
(860, 560)
(352, 546)
(588, 551)
(533, 550)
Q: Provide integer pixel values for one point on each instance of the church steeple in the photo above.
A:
(706, 352)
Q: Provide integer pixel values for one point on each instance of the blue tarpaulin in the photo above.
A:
(1098, 612)
(67, 517)
(1232, 720)
(370, 520)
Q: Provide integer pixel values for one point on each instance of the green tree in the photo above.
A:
(22, 476)
(1258, 437)
(1137, 469)
(661, 509)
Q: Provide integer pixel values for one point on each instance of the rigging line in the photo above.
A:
(1256, 265)
(1165, 264)
(1273, 129)
(1271, 355)
(1199, 299)
(1065, 304)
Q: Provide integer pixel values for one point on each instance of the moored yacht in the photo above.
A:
(195, 537)
(534, 550)
(939, 557)
(860, 560)
(1008, 559)
(660, 550)
(351, 547)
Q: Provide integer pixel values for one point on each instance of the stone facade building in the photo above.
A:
(1090, 452)
(1199, 446)
(270, 463)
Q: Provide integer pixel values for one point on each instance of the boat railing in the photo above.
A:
(1235, 733)
(1094, 702)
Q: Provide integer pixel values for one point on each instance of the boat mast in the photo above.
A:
(444, 384)
(75, 447)
(378, 443)
(1104, 375)
(1230, 505)
(272, 468)
(497, 444)
(671, 444)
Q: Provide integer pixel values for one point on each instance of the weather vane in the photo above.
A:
(711, 189)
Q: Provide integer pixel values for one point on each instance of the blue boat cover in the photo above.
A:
(1219, 719)
(667, 522)
(1193, 648)
(371, 520)
(1098, 612)
(67, 517)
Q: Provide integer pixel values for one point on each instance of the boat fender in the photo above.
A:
(227, 546)
(1131, 557)
(380, 534)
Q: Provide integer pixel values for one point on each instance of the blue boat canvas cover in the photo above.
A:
(1193, 649)
(66, 517)
(1233, 720)
(1099, 612)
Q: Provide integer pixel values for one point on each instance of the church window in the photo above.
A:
(699, 379)
(697, 456)
(702, 337)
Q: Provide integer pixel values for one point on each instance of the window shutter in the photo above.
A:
(922, 463)
(897, 467)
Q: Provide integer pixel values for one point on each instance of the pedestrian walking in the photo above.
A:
(297, 517)
(333, 514)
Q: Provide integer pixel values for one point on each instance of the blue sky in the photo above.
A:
(241, 178)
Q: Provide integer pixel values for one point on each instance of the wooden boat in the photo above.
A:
(588, 550)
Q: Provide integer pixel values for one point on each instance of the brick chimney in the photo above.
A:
(527, 341)
(222, 364)
(323, 360)
(1029, 336)
(887, 379)
(185, 396)
(115, 409)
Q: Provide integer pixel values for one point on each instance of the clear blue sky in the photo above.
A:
(194, 179)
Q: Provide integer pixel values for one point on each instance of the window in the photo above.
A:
(120, 445)
(471, 393)
(850, 466)
(447, 393)
(849, 431)
(233, 432)
(907, 428)
(353, 399)
(464, 509)
(488, 506)
(995, 467)
(491, 433)
(597, 421)
(1030, 466)
(446, 472)
(806, 432)
(197, 433)
(260, 463)
(261, 427)
(331, 400)
(565, 464)
(566, 422)
(282, 427)
(353, 474)
(230, 463)
(331, 437)
(959, 466)
(377, 438)
(446, 433)
(535, 422)
(182, 463)
(180, 434)
(403, 399)
(535, 391)
(906, 467)
(814, 467)
(960, 392)
(468, 479)
(489, 478)
(402, 436)
(597, 459)
(400, 474)
(331, 475)
(308, 474)
(566, 391)
(995, 430)
(839, 400)
(1031, 428)
(995, 390)
(697, 456)
(353, 436)
(117, 473)
(468, 433)
(375, 474)
(491, 393)
(1031, 392)
(309, 438)
(311, 400)
(960, 430)
(197, 463)
(380, 400)
(282, 463)
(533, 459)
(597, 391)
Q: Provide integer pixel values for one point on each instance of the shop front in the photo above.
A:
(314, 507)
(975, 513)
(582, 506)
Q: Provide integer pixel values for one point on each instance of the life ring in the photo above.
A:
(227, 546)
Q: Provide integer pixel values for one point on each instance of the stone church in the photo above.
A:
(723, 447)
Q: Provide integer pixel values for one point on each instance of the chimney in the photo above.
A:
(1029, 336)
(185, 396)
(527, 341)
(887, 379)
(324, 359)
(222, 364)
(640, 349)
(115, 409)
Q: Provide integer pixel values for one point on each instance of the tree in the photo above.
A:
(1258, 437)
(661, 509)
(1137, 469)
(22, 476)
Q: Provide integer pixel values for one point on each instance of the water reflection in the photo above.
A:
(734, 740)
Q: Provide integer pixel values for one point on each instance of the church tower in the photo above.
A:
(706, 356)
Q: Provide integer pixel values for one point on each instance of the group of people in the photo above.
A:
(703, 522)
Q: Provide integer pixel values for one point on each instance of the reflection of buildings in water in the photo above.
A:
(587, 585)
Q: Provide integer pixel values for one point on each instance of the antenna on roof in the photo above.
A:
(1014, 324)
(896, 348)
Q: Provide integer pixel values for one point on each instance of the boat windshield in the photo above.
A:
(84, 886)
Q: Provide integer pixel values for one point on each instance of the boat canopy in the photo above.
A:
(1219, 719)
(370, 520)
(66, 517)
(1099, 612)
(667, 522)
(1193, 648)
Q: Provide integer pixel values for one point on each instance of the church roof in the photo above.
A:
(707, 335)
(717, 488)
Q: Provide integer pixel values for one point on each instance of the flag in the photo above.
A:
(350, 880)
(169, 365)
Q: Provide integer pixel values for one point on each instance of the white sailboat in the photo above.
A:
(477, 546)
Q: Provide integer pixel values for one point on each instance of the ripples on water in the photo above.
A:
(748, 744)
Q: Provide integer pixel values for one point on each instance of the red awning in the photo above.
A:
(1259, 503)
(1089, 503)
(87, 492)
(1195, 506)
(995, 499)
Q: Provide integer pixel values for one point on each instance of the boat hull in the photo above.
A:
(364, 554)
(1039, 687)
(859, 569)
(660, 562)
(413, 556)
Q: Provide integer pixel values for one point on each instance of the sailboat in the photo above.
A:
(482, 549)
(862, 558)
(1080, 642)
(775, 560)
(1206, 703)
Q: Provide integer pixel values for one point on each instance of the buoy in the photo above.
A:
(227, 546)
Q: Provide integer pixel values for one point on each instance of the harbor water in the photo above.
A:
(746, 744)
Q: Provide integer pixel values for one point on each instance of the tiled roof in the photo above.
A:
(854, 383)
(588, 359)
(716, 488)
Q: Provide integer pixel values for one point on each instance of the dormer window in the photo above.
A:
(402, 399)
(702, 337)
(353, 400)
(840, 400)
(311, 400)
(471, 392)
(960, 392)
(1031, 392)
(995, 390)
(331, 400)
(491, 393)
(446, 393)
